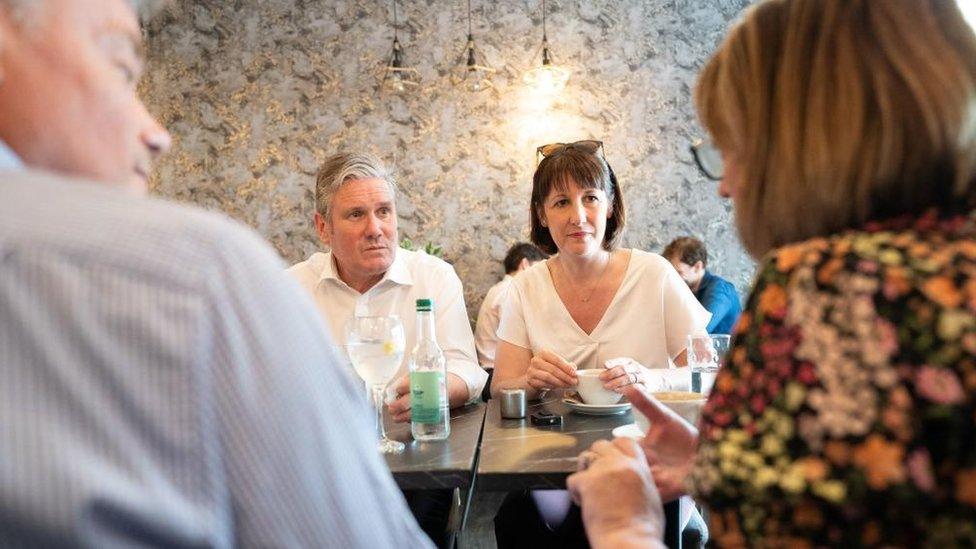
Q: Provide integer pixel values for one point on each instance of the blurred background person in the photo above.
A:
(844, 415)
(690, 258)
(519, 257)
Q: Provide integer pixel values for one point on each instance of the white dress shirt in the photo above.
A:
(648, 320)
(412, 276)
(164, 384)
(486, 329)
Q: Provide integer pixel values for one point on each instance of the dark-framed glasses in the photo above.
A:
(709, 159)
(588, 145)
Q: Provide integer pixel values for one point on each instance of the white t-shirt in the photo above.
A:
(412, 276)
(648, 320)
(486, 329)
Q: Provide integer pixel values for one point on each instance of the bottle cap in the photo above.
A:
(425, 304)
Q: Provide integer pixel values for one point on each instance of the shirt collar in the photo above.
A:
(398, 272)
(8, 158)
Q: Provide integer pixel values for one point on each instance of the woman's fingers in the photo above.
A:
(613, 373)
(558, 362)
(541, 379)
(567, 379)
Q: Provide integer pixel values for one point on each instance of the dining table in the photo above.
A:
(517, 455)
(439, 464)
(486, 452)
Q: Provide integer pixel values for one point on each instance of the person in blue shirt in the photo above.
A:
(690, 259)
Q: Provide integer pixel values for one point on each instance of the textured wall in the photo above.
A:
(258, 92)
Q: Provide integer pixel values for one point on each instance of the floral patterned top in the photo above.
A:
(844, 415)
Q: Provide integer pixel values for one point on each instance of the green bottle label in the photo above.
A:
(425, 396)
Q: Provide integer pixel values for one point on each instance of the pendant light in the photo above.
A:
(397, 77)
(473, 71)
(548, 78)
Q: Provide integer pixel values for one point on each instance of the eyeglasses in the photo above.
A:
(709, 159)
(589, 146)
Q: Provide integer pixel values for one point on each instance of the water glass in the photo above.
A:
(375, 345)
(705, 353)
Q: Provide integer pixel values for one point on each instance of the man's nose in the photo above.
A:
(154, 136)
(373, 225)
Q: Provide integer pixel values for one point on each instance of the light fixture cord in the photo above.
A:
(469, 19)
(544, 38)
(396, 23)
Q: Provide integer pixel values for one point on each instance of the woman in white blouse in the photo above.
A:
(592, 301)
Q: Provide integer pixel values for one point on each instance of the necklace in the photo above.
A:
(589, 294)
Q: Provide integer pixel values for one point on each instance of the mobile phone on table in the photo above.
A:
(546, 418)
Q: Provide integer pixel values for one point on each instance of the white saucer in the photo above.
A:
(596, 410)
(628, 431)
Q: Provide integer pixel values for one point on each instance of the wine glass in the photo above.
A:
(375, 345)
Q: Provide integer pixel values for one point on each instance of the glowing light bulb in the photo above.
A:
(396, 82)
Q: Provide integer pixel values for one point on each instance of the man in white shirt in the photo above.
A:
(162, 382)
(521, 256)
(367, 273)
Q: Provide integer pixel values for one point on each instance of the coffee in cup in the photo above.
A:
(591, 390)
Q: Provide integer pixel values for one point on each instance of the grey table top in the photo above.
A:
(442, 464)
(516, 455)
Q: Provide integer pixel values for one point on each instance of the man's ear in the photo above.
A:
(699, 266)
(323, 229)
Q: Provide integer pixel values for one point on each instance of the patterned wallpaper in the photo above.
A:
(258, 92)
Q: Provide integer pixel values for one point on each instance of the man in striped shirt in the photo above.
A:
(162, 382)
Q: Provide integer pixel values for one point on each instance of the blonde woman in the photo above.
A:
(845, 414)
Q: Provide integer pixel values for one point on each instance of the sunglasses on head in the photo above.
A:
(588, 145)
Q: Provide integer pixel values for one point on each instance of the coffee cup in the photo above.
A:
(591, 390)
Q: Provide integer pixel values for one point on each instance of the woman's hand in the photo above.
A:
(547, 370)
(624, 371)
(621, 506)
(670, 443)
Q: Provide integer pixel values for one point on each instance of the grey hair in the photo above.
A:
(342, 168)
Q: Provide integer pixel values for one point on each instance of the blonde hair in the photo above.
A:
(839, 112)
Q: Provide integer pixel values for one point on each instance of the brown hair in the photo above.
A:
(839, 112)
(589, 171)
(688, 250)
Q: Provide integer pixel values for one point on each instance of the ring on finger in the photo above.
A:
(633, 377)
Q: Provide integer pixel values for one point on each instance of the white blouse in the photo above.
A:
(648, 320)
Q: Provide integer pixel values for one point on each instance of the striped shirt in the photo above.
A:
(164, 383)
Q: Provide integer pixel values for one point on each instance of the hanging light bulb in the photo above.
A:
(548, 78)
(397, 77)
(473, 71)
